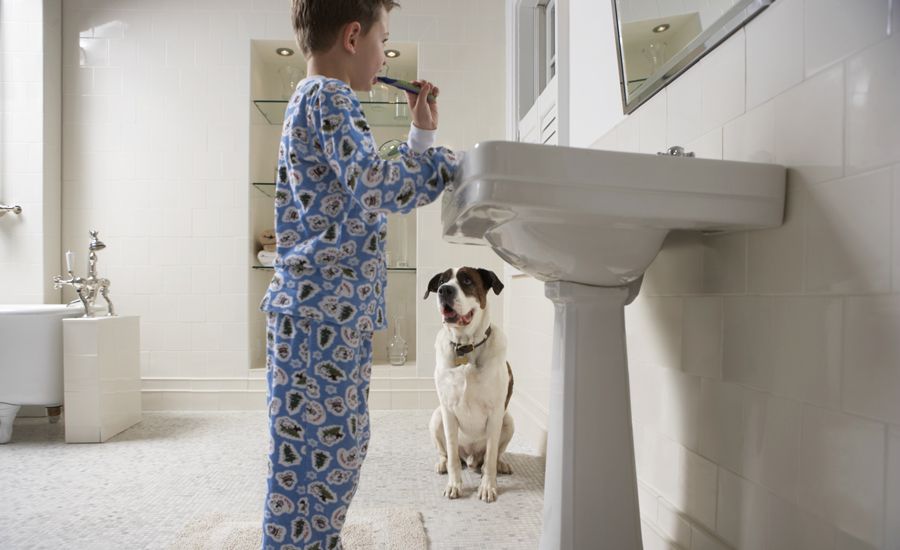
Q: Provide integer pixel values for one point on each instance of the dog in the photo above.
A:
(473, 379)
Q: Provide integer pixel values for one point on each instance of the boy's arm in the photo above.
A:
(396, 185)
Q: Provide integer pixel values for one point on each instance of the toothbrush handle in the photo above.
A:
(407, 87)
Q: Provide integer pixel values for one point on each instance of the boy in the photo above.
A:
(327, 295)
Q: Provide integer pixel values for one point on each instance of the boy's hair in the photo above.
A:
(317, 22)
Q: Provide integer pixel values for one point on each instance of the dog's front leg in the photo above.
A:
(488, 489)
(451, 434)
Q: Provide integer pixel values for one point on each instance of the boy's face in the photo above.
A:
(369, 58)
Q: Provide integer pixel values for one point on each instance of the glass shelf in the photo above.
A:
(267, 189)
(399, 269)
(378, 113)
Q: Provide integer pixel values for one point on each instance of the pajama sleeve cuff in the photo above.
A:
(420, 140)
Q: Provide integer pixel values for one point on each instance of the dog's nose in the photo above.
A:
(446, 292)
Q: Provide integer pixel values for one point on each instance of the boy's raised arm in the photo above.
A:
(396, 185)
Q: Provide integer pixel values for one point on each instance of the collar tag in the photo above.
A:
(462, 352)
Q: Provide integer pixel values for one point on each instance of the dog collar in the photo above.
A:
(469, 348)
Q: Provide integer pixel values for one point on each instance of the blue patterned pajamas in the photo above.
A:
(332, 196)
(318, 377)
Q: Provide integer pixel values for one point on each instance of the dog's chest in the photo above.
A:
(467, 392)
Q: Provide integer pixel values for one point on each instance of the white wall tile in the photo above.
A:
(673, 525)
(834, 29)
(873, 114)
(871, 368)
(791, 528)
(751, 137)
(648, 503)
(725, 263)
(774, 265)
(741, 517)
(723, 74)
(701, 540)
(774, 51)
(652, 125)
(848, 234)
(771, 443)
(701, 344)
(685, 107)
(653, 329)
(842, 471)
(707, 146)
(804, 338)
(746, 357)
(678, 268)
(722, 423)
(809, 127)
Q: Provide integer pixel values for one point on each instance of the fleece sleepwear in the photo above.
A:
(332, 194)
(318, 385)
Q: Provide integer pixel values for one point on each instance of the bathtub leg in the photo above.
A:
(53, 414)
(7, 416)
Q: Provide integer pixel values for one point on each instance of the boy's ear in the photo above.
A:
(433, 284)
(350, 36)
(491, 280)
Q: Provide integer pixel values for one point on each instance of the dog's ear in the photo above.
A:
(433, 284)
(491, 280)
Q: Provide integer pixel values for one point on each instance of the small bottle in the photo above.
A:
(397, 348)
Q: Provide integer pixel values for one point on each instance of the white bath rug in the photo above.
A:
(365, 529)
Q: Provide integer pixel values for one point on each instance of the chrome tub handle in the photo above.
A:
(14, 209)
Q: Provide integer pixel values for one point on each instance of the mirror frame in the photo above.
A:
(736, 17)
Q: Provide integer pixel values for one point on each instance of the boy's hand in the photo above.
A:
(424, 113)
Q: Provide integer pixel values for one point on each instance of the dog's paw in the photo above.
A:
(452, 489)
(503, 467)
(487, 491)
(441, 466)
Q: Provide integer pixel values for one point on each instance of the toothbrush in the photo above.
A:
(404, 85)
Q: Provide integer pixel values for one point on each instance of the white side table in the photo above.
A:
(101, 377)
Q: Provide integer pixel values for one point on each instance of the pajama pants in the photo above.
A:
(318, 377)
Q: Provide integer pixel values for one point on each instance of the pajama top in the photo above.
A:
(331, 199)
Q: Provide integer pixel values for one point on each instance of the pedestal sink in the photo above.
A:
(588, 223)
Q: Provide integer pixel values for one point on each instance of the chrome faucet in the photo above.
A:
(16, 209)
(87, 288)
(676, 151)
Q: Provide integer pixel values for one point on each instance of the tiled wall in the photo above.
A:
(765, 369)
(30, 149)
(156, 148)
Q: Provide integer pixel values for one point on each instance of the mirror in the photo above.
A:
(659, 40)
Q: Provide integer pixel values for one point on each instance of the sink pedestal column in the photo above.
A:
(590, 489)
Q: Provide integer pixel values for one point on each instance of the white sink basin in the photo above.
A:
(589, 223)
(599, 217)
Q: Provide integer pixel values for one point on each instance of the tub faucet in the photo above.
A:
(87, 288)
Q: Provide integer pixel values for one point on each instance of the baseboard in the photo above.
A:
(386, 392)
(531, 421)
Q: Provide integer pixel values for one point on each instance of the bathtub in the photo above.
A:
(31, 358)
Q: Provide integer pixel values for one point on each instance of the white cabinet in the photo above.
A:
(532, 71)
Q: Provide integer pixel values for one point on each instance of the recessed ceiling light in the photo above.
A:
(661, 28)
(392, 53)
(284, 51)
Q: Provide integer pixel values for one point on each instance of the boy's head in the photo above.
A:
(352, 29)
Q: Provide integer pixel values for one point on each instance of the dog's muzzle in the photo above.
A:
(447, 295)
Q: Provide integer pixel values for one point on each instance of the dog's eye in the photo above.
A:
(465, 281)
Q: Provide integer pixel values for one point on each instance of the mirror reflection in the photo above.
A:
(659, 39)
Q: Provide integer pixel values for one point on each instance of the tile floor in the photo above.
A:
(140, 488)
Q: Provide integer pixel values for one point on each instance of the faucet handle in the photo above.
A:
(676, 151)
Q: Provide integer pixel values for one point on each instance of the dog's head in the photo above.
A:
(462, 294)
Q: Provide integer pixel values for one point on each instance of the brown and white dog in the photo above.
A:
(474, 382)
